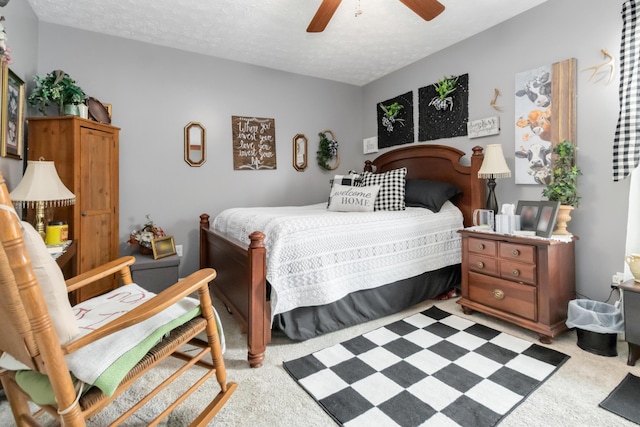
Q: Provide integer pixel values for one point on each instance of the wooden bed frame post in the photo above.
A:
(248, 304)
(204, 224)
(259, 332)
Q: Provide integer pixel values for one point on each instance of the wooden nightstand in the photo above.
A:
(631, 306)
(525, 281)
(67, 260)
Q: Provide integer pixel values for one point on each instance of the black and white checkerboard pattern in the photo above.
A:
(429, 369)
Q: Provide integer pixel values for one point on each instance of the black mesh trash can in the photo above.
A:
(597, 325)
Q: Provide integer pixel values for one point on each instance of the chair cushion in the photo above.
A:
(52, 284)
(105, 362)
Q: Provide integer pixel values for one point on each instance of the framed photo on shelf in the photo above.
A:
(528, 211)
(163, 246)
(12, 114)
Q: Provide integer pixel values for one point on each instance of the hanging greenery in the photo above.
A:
(327, 151)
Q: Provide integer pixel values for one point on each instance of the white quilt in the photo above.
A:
(315, 256)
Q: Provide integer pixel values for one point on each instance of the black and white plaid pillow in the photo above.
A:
(391, 194)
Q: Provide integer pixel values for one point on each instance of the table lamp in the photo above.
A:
(41, 188)
(493, 166)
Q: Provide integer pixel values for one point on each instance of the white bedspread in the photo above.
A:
(315, 256)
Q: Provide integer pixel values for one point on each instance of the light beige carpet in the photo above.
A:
(269, 397)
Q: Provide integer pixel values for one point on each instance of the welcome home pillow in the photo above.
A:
(352, 179)
(345, 198)
(391, 195)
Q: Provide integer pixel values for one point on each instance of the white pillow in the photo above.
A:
(52, 284)
(345, 198)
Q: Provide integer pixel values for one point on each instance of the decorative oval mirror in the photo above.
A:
(300, 152)
(195, 136)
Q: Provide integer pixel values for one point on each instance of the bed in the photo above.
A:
(242, 285)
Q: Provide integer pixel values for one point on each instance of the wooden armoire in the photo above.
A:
(85, 154)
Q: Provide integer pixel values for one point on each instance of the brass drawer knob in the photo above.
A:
(498, 294)
(515, 252)
(480, 264)
(481, 246)
(515, 273)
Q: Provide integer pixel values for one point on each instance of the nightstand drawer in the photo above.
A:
(483, 264)
(484, 247)
(503, 295)
(518, 252)
(518, 272)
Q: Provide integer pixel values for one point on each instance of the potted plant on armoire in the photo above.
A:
(563, 187)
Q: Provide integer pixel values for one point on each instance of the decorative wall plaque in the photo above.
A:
(254, 143)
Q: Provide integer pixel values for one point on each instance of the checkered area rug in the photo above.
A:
(429, 369)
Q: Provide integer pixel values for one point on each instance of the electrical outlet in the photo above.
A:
(617, 279)
(179, 250)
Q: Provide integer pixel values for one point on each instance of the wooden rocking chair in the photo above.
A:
(29, 335)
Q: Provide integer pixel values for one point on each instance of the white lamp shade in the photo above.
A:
(41, 183)
(494, 165)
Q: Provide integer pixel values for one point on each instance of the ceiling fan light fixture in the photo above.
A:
(426, 9)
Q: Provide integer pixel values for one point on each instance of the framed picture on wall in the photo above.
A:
(12, 114)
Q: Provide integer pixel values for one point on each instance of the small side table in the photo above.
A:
(631, 301)
(155, 275)
(67, 260)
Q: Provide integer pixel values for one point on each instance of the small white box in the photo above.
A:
(507, 224)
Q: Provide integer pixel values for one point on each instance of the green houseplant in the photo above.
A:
(563, 187)
(327, 151)
(58, 88)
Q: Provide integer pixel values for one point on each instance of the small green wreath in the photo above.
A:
(327, 151)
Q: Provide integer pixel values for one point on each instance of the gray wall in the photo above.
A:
(156, 91)
(552, 32)
(21, 26)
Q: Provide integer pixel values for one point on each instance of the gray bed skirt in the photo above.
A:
(358, 307)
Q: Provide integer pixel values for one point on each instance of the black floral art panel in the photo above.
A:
(395, 125)
(443, 118)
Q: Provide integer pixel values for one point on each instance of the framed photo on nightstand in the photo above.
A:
(163, 246)
(528, 211)
(547, 218)
(538, 216)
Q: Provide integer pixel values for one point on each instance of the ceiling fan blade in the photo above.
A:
(426, 9)
(323, 16)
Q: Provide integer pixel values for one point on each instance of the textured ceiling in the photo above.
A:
(272, 33)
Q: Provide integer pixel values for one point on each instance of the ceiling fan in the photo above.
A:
(426, 9)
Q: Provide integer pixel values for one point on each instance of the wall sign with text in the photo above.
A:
(254, 143)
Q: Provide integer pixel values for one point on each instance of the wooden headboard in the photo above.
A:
(439, 163)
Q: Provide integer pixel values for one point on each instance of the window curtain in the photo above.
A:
(626, 148)
(633, 225)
